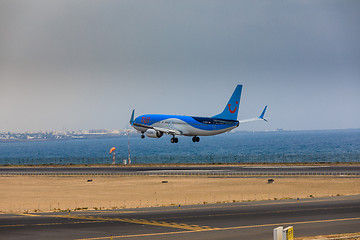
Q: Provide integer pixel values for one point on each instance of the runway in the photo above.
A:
(251, 170)
(247, 220)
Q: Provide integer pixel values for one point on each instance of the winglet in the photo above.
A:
(262, 114)
(132, 117)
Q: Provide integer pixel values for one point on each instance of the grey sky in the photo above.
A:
(86, 64)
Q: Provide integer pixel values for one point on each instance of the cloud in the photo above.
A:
(170, 56)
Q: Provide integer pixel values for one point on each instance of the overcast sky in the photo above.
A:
(68, 65)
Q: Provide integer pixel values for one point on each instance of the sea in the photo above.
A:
(325, 146)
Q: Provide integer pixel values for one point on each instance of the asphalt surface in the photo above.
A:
(249, 220)
(187, 170)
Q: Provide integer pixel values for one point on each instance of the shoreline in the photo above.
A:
(295, 164)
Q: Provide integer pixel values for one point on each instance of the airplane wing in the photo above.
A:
(167, 131)
(163, 130)
(260, 118)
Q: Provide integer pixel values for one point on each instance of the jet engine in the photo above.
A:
(153, 133)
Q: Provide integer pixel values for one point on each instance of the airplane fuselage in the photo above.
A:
(156, 125)
(185, 125)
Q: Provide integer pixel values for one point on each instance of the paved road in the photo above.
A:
(250, 220)
(189, 170)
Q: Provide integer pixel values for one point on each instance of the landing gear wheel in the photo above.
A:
(174, 140)
(195, 139)
(142, 136)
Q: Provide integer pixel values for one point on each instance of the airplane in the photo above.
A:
(156, 125)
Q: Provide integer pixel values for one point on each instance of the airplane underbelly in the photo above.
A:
(192, 131)
(140, 129)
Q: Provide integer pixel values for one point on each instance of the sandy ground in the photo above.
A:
(47, 193)
(347, 236)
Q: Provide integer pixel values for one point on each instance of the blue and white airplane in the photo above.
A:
(155, 125)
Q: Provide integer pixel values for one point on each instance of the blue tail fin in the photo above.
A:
(232, 107)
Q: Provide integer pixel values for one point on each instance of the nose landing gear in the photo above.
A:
(196, 139)
(142, 135)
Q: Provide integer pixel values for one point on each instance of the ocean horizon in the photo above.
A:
(307, 146)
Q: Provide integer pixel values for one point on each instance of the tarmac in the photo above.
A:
(246, 220)
(250, 170)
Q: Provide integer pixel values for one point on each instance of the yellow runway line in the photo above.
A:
(222, 229)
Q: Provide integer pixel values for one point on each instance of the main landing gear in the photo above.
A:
(174, 140)
(142, 135)
(196, 139)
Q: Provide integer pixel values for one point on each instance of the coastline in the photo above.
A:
(290, 164)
